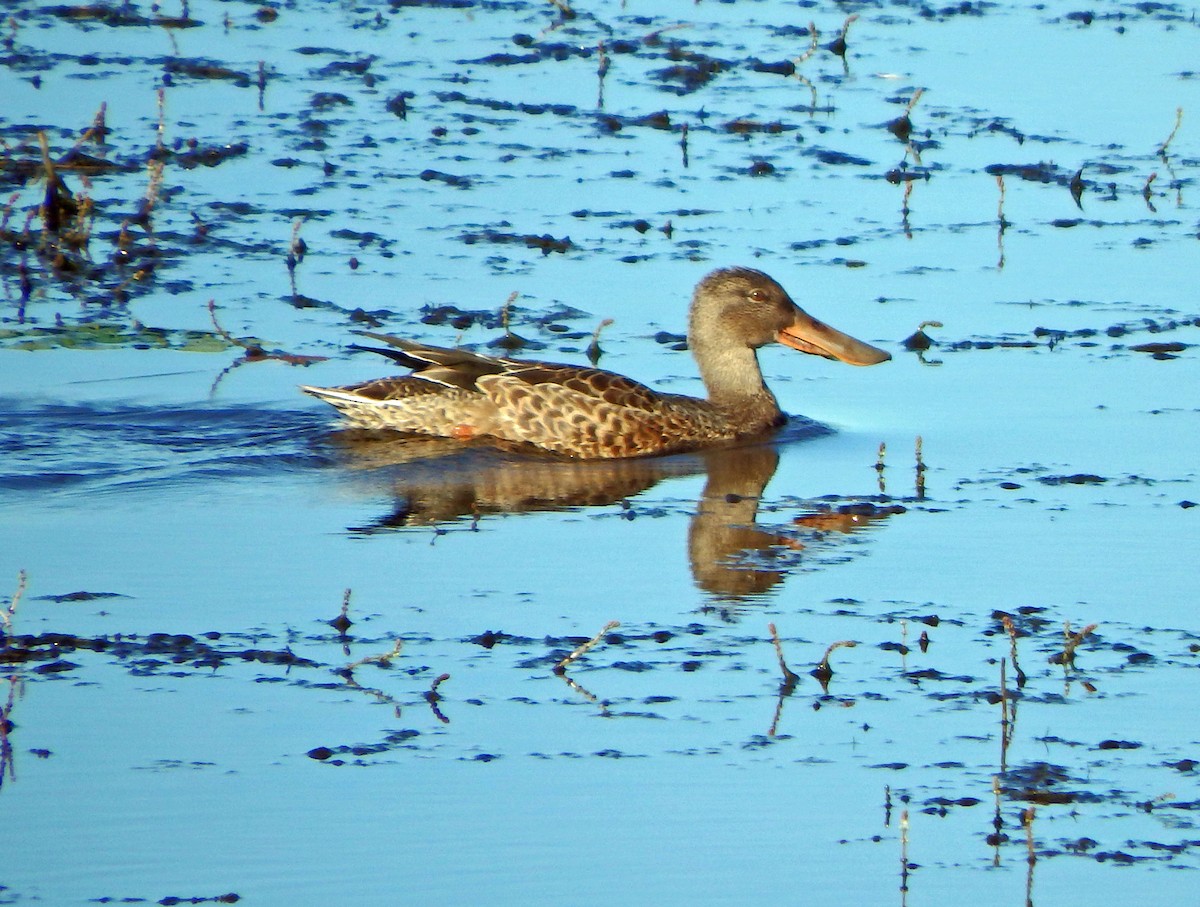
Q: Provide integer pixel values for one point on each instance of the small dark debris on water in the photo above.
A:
(200, 69)
(398, 105)
(172, 900)
(1079, 478)
(901, 127)
(837, 158)
(459, 319)
(744, 125)
(449, 97)
(919, 340)
(1118, 745)
(208, 156)
(489, 638)
(1041, 172)
(687, 76)
(1160, 350)
(895, 177)
(512, 342)
(79, 597)
(546, 243)
(778, 68)
(55, 667)
(450, 179)
(180, 648)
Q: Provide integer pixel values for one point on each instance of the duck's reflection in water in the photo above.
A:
(438, 483)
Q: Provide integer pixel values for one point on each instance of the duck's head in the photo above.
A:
(745, 307)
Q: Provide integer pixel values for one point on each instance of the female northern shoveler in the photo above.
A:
(590, 413)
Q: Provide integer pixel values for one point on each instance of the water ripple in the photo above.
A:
(69, 448)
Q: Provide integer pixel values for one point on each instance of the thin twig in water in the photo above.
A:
(823, 671)
(790, 677)
(433, 698)
(384, 659)
(8, 613)
(255, 351)
(342, 622)
(1011, 629)
(593, 351)
(561, 667)
(921, 468)
(506, 311)
(162, 121)
(1066, 657)
(912, 102)
(1162, 149)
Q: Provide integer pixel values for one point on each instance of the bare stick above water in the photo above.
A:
(790, 677)
(6, 615)
(1162, 149)
(561, 667)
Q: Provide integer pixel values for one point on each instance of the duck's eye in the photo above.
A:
(757, 295)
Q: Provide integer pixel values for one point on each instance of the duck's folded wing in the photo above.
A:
(586, 423)
(590, 382)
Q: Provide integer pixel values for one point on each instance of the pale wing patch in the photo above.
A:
(409, 405)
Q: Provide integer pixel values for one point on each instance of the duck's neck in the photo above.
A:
(732, 376)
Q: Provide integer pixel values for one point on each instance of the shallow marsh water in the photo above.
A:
(187, 727)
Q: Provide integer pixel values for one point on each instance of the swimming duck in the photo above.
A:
(590, 413)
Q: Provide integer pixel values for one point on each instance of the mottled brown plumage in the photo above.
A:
(590, 413)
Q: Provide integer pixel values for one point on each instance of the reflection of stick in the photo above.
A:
(1031, 854)
(602, 71)
(585, 693)
(226, 336)
(904, 856)
(561, 667)
(1007, 718)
